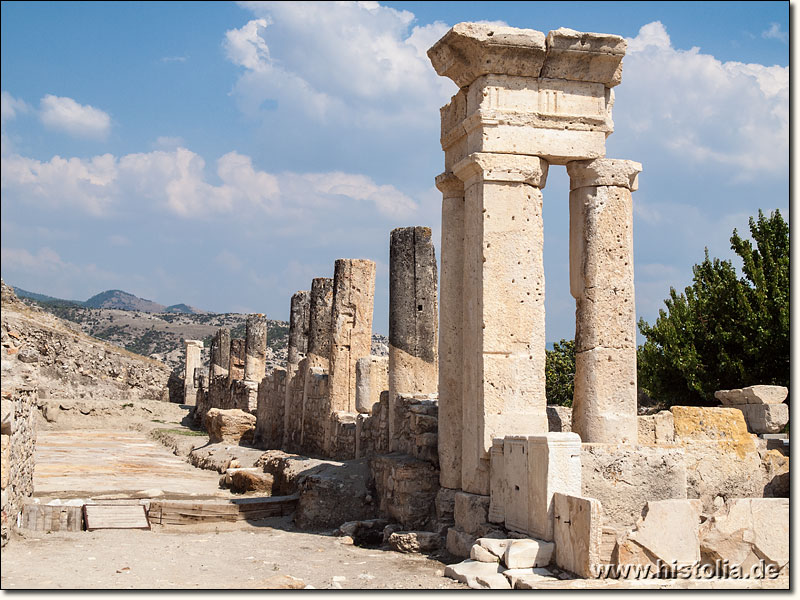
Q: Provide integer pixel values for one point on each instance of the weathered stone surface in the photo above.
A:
(471, 512)
(625, 477)
(413, 317)
(445, 505)
(451, 333)
(669, 531)
(250, 480)
(372, 378)
(193, 359)
(559, 419)
(459, 543)
(754, 394)
(18, 454)
(415, 541)
(765, 418)
(495, 546)
(299, 319)
(406, 489)
(468, 570)
(747, 530)
(319, 328)
(524, 554)
(220, 353)
(477, 552)
(503, 335)
(580, 56)
(531, 577)
(236, 365)
(578, 533)
(255, 360)
(664, 427)
(492, 581)
(270, 411)
(470, 50)
(234, 426)
(775, 468)
(351, 336)
(535, 468)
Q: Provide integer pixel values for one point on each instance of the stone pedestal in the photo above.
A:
(413, 316)
(220, 353)
(503, 319)
(194, 351)
(601, 281)
(255, 364)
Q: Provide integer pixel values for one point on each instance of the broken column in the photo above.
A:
(302, 409)
(194, 350)
(412, 317)
(255, 360)
(450, 333)
(372, 379)
(298, 327)
(601, 281)
(236, 358)
(220, 353)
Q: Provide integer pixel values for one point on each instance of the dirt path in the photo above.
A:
(244, 558)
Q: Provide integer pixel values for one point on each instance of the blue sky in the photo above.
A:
(223, 154)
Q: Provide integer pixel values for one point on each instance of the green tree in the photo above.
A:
(725, 331)
(559, 367)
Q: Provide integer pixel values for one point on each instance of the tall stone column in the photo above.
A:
(194, 349)
(320, 306)
(412, 317)
(220, 353)
(503, 319)
(298, 327)
(351, 321)
(255, 360)
(601, 281)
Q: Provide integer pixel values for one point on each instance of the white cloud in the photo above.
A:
(702, 109)
(10, 107)
(81, 120)
(360, 64)
(176, 182)
(774, 32)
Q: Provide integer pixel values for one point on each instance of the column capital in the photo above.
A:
(604, 172)
(196, 343)
(509, 168)
(450, 185)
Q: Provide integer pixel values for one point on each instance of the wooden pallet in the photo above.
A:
(46, 518)
(115, 516)
(187, 512)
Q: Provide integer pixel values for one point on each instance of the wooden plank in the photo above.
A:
(185, 512)
(47, 518)
(115, 516)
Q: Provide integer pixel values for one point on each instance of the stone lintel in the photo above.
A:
(604, 172)
(580, 56)
(508, 168)
(470, 50)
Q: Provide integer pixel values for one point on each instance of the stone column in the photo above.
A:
(220, 353)
(255, 360)
(412, 317)
(320, 306)
(451, 371)
(503, 320)
(194, 350)
(601, 281)
(351, 321)
(298, 327)
(236, 364)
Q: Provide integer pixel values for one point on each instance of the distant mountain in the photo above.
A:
(185, 309)
(123, 301)
(43, 298)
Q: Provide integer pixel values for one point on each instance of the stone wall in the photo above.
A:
(372, 430)
(269, 414)
(243, 395)
(18, 445)
(315, 412)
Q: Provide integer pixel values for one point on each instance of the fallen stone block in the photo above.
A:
(469, 570)
(523, 554)
(765, 394)
(415, 541)
(494, 545)
(481, 554)
(495, 581)
(775, 467)
(250, 480)
(530, 576)
(232, 426)
(765, 418)
(669, 531)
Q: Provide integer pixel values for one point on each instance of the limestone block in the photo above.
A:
(445, 505)
(236, 365)
(372, 378)
(765, 394)
(220, 353)
(664, 427)
(470, 50)
(255, 347)
(471, 512)
(299, 319)
(669, 531)
(523, 554)
(765, 418)
(232, 425)
(775, 467)
(578, 533)
(528, 577)
(492, 581)
(730, 397)
(604, 172)
(450, 333)
(498, 485)
(559, 418)
(746, 530)
(406, 490)
(248, 480)
(646, 429)
(584, 56)
(319, 322)
(481, 554)
(494, 546)
(467, 571)
(624, 477)
(459, 543)
(536, 467)
(712, 424)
